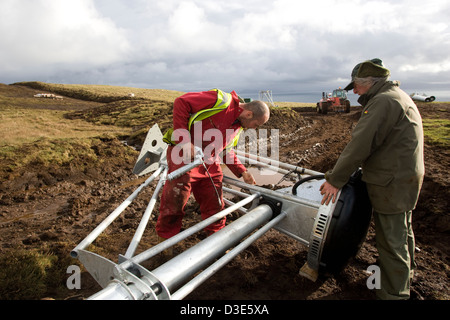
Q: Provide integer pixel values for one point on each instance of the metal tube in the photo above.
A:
(105, 223)
(114, 291)
(236, 192)
(271, 193)
(179, 172)
(277, 163)
(186, 233)
(177, 270)
(229, 203)
(266, 165)
(147, 214)
(211, 270)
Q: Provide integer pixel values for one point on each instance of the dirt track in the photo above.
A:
(54, 208)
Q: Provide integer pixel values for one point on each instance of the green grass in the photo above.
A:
(25, 274)
(23, 125)
(28, 274)
(45, 152)
(437, 131)
(33, 133)
(127, 114)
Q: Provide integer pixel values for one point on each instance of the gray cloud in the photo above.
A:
(284, 45)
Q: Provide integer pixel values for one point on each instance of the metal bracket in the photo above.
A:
(274, 204)
(101, 269)
(106, 272)
(152, 152)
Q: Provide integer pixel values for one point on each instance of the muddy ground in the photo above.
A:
(52, 209)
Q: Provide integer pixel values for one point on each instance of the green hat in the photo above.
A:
(369, 68)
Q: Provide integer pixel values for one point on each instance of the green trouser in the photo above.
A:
(395, 245)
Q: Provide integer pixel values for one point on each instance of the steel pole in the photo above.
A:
(105, 223)
(271, 193)
(116, 291)
(178, 270)
(143, 256)
(270, 167)
(147, 214)
(211, 270)
(277, 163)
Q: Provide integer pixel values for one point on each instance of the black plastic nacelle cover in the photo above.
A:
(348, 226)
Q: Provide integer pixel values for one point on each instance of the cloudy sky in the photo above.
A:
(244, 45)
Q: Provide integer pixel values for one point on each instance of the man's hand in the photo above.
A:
(248, 178)
(329, 192)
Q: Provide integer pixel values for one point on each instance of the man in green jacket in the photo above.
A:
(387, 143)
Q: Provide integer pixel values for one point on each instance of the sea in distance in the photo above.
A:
(314, 97)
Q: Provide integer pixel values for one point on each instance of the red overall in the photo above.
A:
(176, 193)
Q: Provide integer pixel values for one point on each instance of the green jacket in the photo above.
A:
(387, 143)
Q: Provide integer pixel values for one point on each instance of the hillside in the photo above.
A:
(65, 164)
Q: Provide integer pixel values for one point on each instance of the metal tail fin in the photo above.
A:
(152, 152)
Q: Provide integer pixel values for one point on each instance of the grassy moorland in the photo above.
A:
(57, 131)
(47, 131)
(103, 93)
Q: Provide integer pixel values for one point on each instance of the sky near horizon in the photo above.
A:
(243, 45)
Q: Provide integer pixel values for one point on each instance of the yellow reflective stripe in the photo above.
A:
(233, 143)
(223, 102)
(222, 98)
(167, 137)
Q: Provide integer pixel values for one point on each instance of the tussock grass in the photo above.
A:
(69, 153)
(34, 133)
(295, 105)
(19, 126)
(25, 274)
(437, 131)
(131, 114)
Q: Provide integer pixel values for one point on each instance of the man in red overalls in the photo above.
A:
(229, 122)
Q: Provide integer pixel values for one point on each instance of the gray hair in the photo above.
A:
(369, 81)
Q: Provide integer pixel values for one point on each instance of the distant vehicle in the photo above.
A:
(422, 97)
(336, 101)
